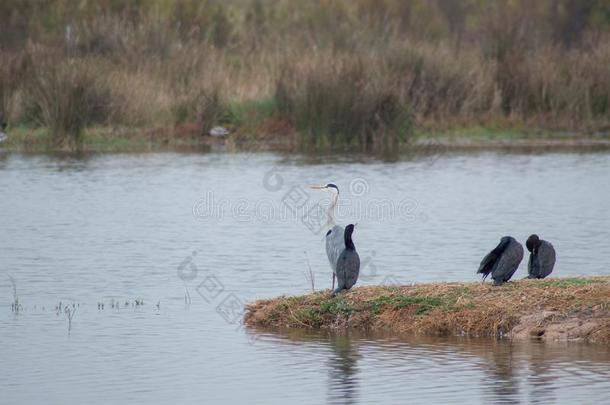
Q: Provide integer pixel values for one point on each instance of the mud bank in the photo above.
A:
(558, 309)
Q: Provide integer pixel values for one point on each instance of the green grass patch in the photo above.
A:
(336, 306)
(23, 137)
(488, 133)
(246, 119)
(252, 112)
(94, 139)
(313, 314)
(309, 316)
(566, 282)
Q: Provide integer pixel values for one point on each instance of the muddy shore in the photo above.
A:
(557, 309)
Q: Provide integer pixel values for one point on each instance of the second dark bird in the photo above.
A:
(542, 257)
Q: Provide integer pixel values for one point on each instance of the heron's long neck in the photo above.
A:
(331, 209)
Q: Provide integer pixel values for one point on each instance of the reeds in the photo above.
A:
(335, 100)
(65, 95)
(15, 305)
(355, 74)
(12, 75)
(310, 276)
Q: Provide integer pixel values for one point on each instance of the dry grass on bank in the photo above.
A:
(554, 309)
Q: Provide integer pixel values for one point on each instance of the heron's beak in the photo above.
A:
(317, 187)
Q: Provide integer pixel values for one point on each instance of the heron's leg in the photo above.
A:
(340, 287)
(333, 280)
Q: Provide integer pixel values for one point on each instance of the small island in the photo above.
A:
(554, 309)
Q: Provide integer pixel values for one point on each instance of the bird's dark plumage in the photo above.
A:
(502, 262)
(542, 257)
(348, 264)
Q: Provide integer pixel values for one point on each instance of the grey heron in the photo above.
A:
(348, 263)
(503, 261)
(335, 243)
(542, 257)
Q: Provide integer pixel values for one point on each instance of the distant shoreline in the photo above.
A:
(555, 309)
(101, 140)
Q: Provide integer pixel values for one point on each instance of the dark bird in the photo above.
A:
(542, 257)
(348, 264)
(503, 261)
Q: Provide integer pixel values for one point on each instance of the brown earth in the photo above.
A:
(568, 309)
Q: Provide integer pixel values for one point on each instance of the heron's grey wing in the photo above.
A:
(335, 245)
(348, 268)
(508, 262)
(546, 259)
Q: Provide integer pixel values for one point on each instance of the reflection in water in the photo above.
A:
(508, 372)
(343, 370)
(498, 368)
(540, 375)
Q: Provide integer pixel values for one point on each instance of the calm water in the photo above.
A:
(228, 229)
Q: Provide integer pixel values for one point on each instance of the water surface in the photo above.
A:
(233, 228)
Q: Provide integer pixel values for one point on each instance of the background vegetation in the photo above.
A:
(325, 73)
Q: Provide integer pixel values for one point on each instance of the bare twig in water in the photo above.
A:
(69, 312)
(309, 275)
(187, 296)
(15, 305)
